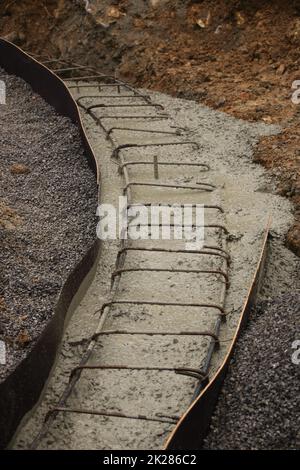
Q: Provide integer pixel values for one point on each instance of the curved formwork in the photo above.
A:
(152, 352)
(158, 344)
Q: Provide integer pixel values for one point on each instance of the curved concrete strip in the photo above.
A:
(226, 144)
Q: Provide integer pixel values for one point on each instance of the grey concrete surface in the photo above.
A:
(245, 191)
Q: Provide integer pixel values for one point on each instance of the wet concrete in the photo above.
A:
(244, 190)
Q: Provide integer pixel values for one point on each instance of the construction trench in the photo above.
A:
(153, 331)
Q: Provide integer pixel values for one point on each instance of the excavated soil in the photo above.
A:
(211, 52)
(48, 199)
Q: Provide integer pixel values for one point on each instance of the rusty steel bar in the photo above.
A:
(143, 97)
(69, 69)
(216, 226)
(155, 167)
(98, 76)
(131, 163)
(98, 85)
(178, 370)
(101, 105)
(99, 119)
(113, 96)
(157, 333)
(119, 272)
(117, 150)
(170, 250)
(111, 414)
(163, 304)
(149, 131)
(53, 61)
(175, 204)
(208, 186)
(157, 116)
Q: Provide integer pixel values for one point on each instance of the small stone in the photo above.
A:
(281, 69)
(23, 339)
(19, 169)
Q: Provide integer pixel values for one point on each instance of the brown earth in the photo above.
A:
(238, 56)
(9, 219)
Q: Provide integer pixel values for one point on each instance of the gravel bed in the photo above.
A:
(48, 198)
(259, 404)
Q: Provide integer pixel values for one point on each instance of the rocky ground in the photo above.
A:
(211, 52)
(48, 198)
(259, 402)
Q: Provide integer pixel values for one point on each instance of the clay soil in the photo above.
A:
(237, 56)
